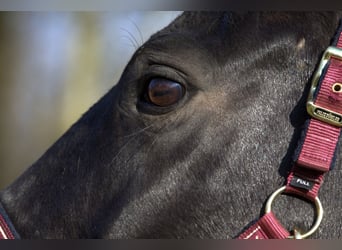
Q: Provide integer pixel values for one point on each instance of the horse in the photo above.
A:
(199, 130)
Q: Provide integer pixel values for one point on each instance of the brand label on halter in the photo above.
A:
(327, 115)
(301, 183)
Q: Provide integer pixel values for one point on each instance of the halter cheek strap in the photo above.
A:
(317, 147)
(7, 230)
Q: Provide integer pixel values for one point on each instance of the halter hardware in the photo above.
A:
(297, 234)
(314, 110)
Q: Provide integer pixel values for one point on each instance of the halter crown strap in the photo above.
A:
(7, 230)
(316, 151)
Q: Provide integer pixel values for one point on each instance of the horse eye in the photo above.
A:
(163, 92)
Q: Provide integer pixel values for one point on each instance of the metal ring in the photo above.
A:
(319, 211)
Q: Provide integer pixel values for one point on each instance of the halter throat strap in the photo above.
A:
(316, 151)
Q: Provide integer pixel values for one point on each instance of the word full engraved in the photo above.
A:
(299, 182)
(303, 182)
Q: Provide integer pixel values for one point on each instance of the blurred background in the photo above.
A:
(53, 67)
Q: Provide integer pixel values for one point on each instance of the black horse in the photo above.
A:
(198, 132)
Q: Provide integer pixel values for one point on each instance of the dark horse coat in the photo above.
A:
(197, 133)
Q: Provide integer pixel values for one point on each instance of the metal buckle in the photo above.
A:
(297, 234)
(316, 111)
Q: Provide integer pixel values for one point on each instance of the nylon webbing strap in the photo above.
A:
(267, 227)
(317, 148)
(7, 230)
(316, 158)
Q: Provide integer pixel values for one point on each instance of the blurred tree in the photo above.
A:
(53, 67)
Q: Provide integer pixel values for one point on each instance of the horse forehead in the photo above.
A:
(202, 26)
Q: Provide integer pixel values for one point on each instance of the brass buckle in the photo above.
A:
(297, 234)
(314, 110)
